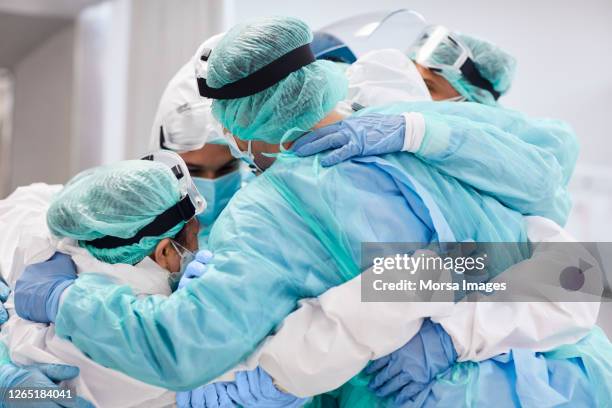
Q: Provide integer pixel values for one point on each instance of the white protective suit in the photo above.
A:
(26, 239)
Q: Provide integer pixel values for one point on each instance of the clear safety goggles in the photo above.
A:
(436, 48)
(377, 30)
(178, 167)
(188, 127)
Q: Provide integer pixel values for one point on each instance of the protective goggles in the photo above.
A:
(179, 168)
(191, 204)
(438, 49)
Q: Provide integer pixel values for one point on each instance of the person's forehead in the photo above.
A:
(426, 73)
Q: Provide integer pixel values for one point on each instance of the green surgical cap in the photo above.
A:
(287, 109)
(494, 64)
(116, 200)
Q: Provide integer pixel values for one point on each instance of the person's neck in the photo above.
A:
(333, 117)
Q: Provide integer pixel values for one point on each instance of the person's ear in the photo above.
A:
(164, 254)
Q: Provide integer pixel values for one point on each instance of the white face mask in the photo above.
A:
(385, 76)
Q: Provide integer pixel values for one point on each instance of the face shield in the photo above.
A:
(186, 186)
(439, 50)
(378, 30)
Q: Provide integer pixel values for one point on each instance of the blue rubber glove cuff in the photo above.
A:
(356, 136)
(39, 288)
(256, 388)
(408, 370)
(54, 298)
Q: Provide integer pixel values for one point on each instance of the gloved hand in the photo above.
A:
(196, 268)
(207, 396)
(5, 291)
(410, 368)
(38, 376)
(255, 388)
(366, 135)
(38, 290)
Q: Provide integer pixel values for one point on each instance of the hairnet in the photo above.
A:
(285, 110)
(494, 64)
(116, 200)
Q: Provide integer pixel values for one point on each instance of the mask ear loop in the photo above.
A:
(180, 250)
(251, 158)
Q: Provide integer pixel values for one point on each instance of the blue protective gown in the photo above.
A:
(293, 233)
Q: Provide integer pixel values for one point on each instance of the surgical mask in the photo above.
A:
(217, 193)
(186, 257)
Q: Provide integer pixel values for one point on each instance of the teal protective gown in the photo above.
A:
(292, 233)
(524, 163)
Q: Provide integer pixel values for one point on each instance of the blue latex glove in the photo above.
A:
(207, 396)
(5, 291)
(195, 268)
(38, 290)
(411, 368)
(366, 135)
(38, 376)
(256, 389)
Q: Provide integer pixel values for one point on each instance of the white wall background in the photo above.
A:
(164, 35)
(42, 116)
(6, 122)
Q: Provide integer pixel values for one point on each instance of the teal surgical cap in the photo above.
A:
(115, 200)
(288, 108)
(494, 64)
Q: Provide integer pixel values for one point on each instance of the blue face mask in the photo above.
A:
(217, 193)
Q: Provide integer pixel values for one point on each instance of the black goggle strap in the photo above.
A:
(261, 79)
(162, 139)
(471, 73)
(184, 210)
